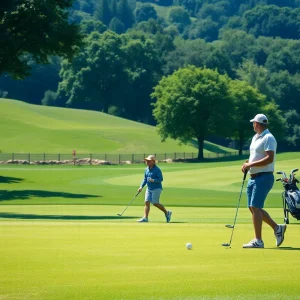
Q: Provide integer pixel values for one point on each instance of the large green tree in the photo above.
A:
(97, 75)
(36, 27)
(247, 103)
(193, 103)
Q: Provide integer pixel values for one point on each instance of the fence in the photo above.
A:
(97, 159)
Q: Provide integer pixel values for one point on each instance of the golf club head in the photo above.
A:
(226, 245)
(229, 226)
(119, 215)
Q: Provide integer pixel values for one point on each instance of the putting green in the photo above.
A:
(50, 252)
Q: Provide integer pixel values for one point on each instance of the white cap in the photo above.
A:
(150, 157)
(260, 118)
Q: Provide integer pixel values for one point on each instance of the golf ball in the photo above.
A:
(189, 246)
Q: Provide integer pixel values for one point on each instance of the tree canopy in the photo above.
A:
(193, 103)
(34, 27)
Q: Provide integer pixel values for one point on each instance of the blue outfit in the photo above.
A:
(258, 189)
(154, 189)
(154, 173)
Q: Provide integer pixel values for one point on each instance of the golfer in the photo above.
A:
(153, 178)
(261, 168)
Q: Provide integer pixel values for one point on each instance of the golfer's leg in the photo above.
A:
(267, 219)
(146, 209)
(161, 207)
(257, 221)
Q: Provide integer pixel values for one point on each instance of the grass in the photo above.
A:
(27, 128)
(61, 237)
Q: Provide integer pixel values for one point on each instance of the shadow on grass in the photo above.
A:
(6, 179)
(288, 248)
(27, 194)
(215, 159)
(59, 217)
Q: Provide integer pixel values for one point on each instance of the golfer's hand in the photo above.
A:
(150, 179)
(246, 166)
(140, 189)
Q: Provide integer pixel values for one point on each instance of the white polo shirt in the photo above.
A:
(260, 144)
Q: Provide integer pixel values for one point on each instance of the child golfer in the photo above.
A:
(153, 178)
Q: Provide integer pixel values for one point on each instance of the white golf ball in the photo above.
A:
(189, 246)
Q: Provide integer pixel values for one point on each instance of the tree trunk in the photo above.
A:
(242, 141)
(200, 147)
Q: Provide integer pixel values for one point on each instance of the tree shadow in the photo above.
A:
(6, 179)
(208, 146)
(227, 158)
(59, 217)
(27, 194)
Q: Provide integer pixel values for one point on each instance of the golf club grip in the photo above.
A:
(245, 174)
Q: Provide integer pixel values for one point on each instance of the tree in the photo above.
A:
(247, 103)
(179, 15)
(256, 76)
(293, 129)
(125, 13)
(36, 27)
(95, 79)
(193, 103)
(285, 90)
(116, 25)
(271, 20)
(102, 12)
(145, 12)
(143, 67)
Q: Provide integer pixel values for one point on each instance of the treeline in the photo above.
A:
(129, 46)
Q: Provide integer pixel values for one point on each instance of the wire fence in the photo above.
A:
(102, 159)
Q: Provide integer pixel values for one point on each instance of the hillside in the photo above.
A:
(40, 129)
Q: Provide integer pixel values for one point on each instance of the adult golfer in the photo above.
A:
(261, 168)
(153, 178)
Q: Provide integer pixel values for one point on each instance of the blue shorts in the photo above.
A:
(258, 189)
(153, 195)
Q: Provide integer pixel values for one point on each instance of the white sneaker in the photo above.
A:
(142, 220)
(279, 234)
(255, 243)
(168, 216)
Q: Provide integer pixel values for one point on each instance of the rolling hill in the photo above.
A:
(41, 129)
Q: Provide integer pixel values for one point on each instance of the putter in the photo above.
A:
(232, 226)
(121, 214)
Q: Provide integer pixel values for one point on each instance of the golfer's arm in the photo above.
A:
(143, 183)
(268, 159)
(159, 178)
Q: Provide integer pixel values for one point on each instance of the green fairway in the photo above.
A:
(40, 129)
(61, 236)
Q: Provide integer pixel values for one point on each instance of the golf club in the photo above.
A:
(283, 173)
(121, 214)
(232, 226)
(292, 175)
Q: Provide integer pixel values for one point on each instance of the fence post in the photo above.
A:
(91, 157)
(132, 158)
(119, 159)
(13, 157)
(44, 156)
(58, 156)
(175, 155)
(29, 158)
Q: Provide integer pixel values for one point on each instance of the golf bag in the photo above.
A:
(291, 200)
